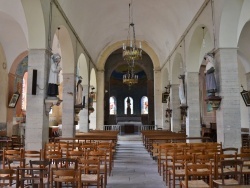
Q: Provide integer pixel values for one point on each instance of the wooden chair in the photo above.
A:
(207, 159)
(52, 155)
(162, 158)
(13, 158)
(65, 147)
(87, 146)
(231, 173)
(102, 157)
(229, 150)
(69, 177)
(107, 147)
(220, 158)
(32, 155)
(178, 169)
(168, 163)
(39, 175)
(52, 146)
(66, 163)
(6, 177)
(75, 154)
(245, 157)
(90, 173)
(244, 150)
(17, 142)
(197, 176)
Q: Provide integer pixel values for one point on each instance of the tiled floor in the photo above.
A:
(133, 166)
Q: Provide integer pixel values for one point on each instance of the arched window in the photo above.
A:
(112, 105)
(144, 105)
(24, 91)
(128, 105)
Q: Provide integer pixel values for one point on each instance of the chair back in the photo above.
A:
(6, 177)
(232, 169)
(66, 163)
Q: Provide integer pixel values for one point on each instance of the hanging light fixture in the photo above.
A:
(130, 50)
(130, 78)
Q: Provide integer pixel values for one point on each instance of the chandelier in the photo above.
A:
(130, 78)
(130, 50)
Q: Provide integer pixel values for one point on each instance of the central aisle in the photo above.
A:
(133, 166)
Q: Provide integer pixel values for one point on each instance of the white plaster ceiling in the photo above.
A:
(160, 23)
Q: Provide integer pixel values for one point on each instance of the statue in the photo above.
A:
(211, 86)
(79, 89)
(128, 106)
(53, 75)
(181, 93)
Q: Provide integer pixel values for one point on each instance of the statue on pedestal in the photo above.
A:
(55, 69)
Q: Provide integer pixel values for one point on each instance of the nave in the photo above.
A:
(133, 166)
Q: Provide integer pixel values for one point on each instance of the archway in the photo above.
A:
(196, 52)
(83, 74)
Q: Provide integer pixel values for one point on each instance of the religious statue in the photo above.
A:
(53, 75)
(181, 93)
(128, 106)
(211, 86)
(79, 89)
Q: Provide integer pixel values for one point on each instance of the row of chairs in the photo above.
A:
(164, 150)
(55, 151)
(71, 172)
(175, 158)
(176, 167)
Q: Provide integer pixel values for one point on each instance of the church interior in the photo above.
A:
(158, 71)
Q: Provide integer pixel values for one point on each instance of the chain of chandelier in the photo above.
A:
(131, 53)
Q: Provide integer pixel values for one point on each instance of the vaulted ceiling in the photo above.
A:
(160, 23)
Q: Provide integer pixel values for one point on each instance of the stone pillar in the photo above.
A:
(83, 114)
(248, 88)
(68, 111)
(100, 100)
(193, 124)
(92, 118)
(175, 106)
(228, 115)
(37, 122)
(157, 98)
(165, 120)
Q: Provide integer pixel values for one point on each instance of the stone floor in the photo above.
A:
(133, 166)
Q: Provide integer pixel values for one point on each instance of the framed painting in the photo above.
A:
(246, 97)
(165, 97)
(13, 100)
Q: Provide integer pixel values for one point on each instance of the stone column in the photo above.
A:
(193, 125)
(157, 98)
(83, 114)
(248, 88)
(175, 106)
(68, 111)
(228, 115)
(100, 100)
(37, 122)
(165, 120)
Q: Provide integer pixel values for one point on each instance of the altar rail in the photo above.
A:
(140, 127)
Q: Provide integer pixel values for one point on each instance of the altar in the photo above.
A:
(129, 127)
(129, 124)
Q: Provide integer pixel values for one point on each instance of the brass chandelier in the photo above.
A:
(130, 78)
(130, 50)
